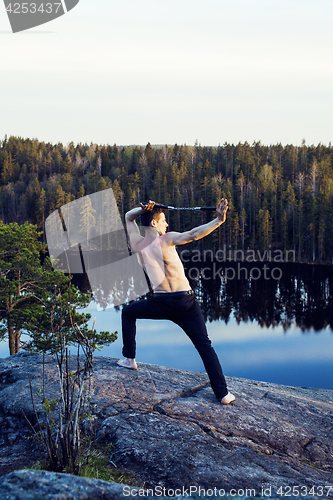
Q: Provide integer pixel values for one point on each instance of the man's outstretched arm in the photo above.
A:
(201, 231)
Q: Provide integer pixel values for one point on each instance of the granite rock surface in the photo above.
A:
(168, 428)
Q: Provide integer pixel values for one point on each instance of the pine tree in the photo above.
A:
(23, 279)
(87, 220)
(265, 229)
(7, 169)
(59, 197)
(243, 226)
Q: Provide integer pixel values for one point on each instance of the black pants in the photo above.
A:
(185, 311)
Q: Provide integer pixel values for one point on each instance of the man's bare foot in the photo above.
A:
(228, 399)
(128, 363)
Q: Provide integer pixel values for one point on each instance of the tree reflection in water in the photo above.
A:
(302, 295)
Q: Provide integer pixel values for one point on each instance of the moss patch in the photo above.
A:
(97, 466)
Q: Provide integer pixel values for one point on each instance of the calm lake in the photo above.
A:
(273, 324)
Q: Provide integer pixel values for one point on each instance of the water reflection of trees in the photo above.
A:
(302, 296)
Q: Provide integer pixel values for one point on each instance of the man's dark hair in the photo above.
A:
(147, 217)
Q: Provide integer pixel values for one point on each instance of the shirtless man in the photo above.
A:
(173, 298)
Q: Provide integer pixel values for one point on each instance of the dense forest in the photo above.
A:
(280, 197)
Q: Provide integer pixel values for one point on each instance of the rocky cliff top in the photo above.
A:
(168, 428)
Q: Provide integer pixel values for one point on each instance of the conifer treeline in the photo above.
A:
(280, 197)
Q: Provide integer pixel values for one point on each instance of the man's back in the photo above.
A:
(168, 275)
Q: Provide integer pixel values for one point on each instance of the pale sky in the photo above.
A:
(171, 72)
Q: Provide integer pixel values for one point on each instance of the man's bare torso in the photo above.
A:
(173, 278)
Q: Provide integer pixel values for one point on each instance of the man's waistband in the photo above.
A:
(173, 294)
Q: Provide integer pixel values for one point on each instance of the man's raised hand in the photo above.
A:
(148, 206)
(221, 210)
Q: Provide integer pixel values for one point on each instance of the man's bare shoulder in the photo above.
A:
(169, 238)
(175, 238)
